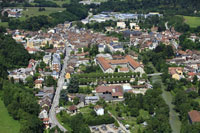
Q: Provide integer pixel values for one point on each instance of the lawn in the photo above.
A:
(192, 21)
(4, 24)
(7, 123)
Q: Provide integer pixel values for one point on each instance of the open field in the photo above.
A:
(7, 123)
(192, 21)
(33, 11)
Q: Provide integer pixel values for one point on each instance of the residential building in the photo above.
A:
(99, 110)
(176, 72)
(194, 116)
(121, 25)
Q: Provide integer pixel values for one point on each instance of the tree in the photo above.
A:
(73, 86)
(49, 81)
(76, 101)
(30, 81)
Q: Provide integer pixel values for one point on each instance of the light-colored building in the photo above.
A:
(121, 25)
(99, 110)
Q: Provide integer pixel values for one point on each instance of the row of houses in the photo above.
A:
(190, 60)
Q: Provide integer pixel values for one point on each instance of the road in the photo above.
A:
(166, 26)
(120, 124)
(52, 113)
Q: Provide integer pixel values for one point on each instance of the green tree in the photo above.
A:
(73, 86)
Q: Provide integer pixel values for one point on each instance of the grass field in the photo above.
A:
(4, 24)
(7, 124)
(60, 2)
(33, 11)
(192, 21)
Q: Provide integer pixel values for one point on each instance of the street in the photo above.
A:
(52, 113)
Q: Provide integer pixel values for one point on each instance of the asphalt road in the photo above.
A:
(52, 113)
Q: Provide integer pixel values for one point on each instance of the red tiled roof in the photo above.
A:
(173, 70)
(97, 107)
(72, 108)
(194, 116)
(104, 63)
(114, 90)
(38, 81)
(45, 119)
(124, 69)
(132, 62)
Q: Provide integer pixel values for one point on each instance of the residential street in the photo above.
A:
(52, 113)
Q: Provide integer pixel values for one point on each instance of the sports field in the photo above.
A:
(7, 123)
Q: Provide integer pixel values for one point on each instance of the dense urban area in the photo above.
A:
(99, 66)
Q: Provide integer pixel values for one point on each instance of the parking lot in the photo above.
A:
(109, 128)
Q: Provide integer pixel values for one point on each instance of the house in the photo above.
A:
(38, 83)
(56, 66)
(91, 99)
(121, 25)
(47, 59)
(108, 93)
(72, 109)
(43, 114)
(132, 25)
(101, 48)
(55, 74)
(194, 116)
(46, 122)
(99, 110)
(176, 72)
(108, 66)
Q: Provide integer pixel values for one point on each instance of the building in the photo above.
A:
(56, 66)
(109, 93)
(72, 109)
(47, 59)
(125, 64)
(176, 72)
(91, 99)
(194, 116)
(99, 110)
(121, 25)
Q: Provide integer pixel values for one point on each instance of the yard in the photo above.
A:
(192, 21)
(7, 123)
(127, 119)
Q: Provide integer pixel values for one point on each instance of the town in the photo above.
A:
(122, 78)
